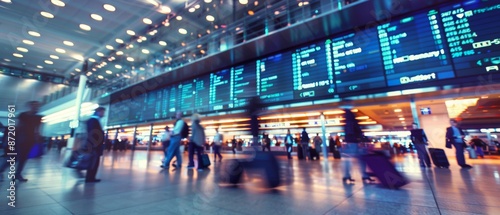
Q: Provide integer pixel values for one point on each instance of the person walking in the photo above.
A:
(317, 143)
(165, 140)
(94, 144)
(288, 143)
(478, 144)
(419, 140)
(455, 137)
(180, 131)
(196, 142)
(304, 142)
(218, 138)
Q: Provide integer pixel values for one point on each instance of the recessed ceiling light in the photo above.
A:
(7, 1)
(251, 13)
(48, 62)
(130, 32)
(68, 43)
(100, 54)
(28, 42)
(197, 6)
(93, 69)
(208, 1)
(39, 67)
(92, 60)
(182, 31)
(17, 55)
(109, 72)
(164, 9)
(85, 27)
(210, 18)
(78, 57)
(55, 57)
(147, 21)
(397, 110)
(5, 59)
(118, 66)
(21, 49)
(109, 47)
(47, 15)
(142, 68)
(109, 7)
(145, 51)
(96, 17)
(60, 50)
(130, 46)
(118, 40)
(402, 119)
(243, 1)
(276, 13)
(163, 43)
(192, 10)
(119, 53)
(78, 70)
(131, 59)
(58, 3)
(178, 18)
(100, 77)
(34, 33)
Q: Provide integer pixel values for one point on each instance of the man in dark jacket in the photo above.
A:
(419, 139)
(455, 136)
(304, 142)
(94, 143)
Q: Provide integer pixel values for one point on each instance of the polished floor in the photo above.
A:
(133, 183)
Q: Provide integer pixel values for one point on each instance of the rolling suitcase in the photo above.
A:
(205, 161)
(314, 153)
(384, 170)
(439, 158)
(336, 154)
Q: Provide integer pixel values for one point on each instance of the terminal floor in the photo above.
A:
(133, 183)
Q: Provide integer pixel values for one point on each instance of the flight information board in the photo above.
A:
(243, 84)
(164, 103)
(201, 91)
(153, 105)
(473, 36)
(356, 61)
(220, 90)
(311, 74)
(136, 108)
(413, 50)
(172, 100)
(274, 80)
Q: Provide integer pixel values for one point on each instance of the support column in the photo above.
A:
(325, 140)
(150, 136)
(134, 139)
(74, 124)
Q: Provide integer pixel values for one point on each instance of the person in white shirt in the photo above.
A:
(289, 144)
(218, 138)
(165, 140)
(175, 142)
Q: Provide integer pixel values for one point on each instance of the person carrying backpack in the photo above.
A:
(180, 131)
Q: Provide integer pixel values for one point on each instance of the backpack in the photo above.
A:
(185, 130)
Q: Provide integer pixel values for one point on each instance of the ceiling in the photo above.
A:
(48, 36)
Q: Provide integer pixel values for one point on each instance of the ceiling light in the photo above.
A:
(58, 3)
(109, 72)
(164, 9)
(166, 23)
(243, 1)
(178, 18)
(60, 50)
(118, 66)
(28, 42)
(197, 6)
(109, 7)
(402, 119)
(276, 13)
(397, 110)
(145, 51)
(47, 15)
(100, 77)
(118, 40)
(119, 53)
(85, 27)
(182, 31)
(109, 47)
(208, 1)
(39, 67)
(131, 59)
(130, 46)
(92, 60)
(21, 49)
(147, 21)
(130, 32)
(78, 70)
(139, 40)
(7, 1)
(5, 59)
(142, 69)
(100, 54)
(96, 17)
(78, 57)
(34, 33)
(191, 10)
(17, 55)
(210, 18)
(55, 57)
(251, 13)
(68, 43)
(162, 43)
(48, 62)
(256, 3)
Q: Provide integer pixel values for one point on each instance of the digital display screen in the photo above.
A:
(118, 113)
(311, 74)
(220, 90)
(153, 105)
(201, 93)
(357, 61)
(413, 50)
(473, 36)
(136, 107)
(165, 103)
(243, 82)
(172, 100)
(275, 83)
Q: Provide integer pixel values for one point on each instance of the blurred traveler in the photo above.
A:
(266, 142)
(478, 144)
(289, 144)
(304, 143)
(180, 131)
(455, 136)
(165, 140)
(94, 143)
(196, 142)
(419, 139)
(317, 143)
(218, 138)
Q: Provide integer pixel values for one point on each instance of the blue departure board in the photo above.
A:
(413, 50)
(473, 36)
(118, 113)
(312, 74)
(172, 100)
(243, 84)
(136, 107)
(185, 97)
(220, 90)
(201, 91)
(153, 105)
(274, 78)
(356, 61)
(164, 103)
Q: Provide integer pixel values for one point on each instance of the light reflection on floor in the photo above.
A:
(133, 183)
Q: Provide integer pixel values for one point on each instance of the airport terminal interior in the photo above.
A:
(250, 71)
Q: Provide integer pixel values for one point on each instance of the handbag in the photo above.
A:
(79, 160)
